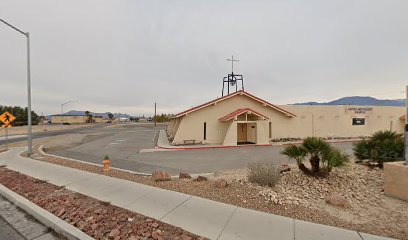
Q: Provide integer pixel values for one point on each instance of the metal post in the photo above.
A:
(406, 126)
(62, 117)
(27, 35)
(6, 137)
(155, 107)
(30, 139)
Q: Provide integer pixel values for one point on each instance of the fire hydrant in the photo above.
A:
(106, 165)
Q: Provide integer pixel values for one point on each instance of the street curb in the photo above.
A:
(43, 216)
(212, 147)
(328, 141)
(41, 149)
(119, 169)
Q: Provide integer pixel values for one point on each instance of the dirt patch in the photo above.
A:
(98, 219)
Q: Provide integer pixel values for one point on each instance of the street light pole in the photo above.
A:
(62, 111)
(29, 131)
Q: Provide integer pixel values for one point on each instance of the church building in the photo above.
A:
(242, 118)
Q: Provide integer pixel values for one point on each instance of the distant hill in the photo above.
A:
(105, 114)
(362, 101)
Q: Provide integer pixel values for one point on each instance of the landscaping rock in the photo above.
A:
(201, 179)
(338, 201)
(184, 175)
(221, 183)
(284, 168)
(160, 176)
(114, 233)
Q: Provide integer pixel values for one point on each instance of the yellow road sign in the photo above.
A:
(7, 118)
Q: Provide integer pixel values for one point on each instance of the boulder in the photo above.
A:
(184, 175)
(160, 176)
(201, 179)
(221, 183)
(338, 201)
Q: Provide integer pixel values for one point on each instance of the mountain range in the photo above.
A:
(105, 114)
(359, 100)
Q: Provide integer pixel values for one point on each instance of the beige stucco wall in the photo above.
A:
(396, 180)
(336, 121)
(320, 121)
(68, 119)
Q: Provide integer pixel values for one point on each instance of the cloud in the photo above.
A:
(125, 55)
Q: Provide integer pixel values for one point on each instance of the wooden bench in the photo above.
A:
(192, 141)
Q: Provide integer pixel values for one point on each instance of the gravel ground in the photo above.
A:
(98, 219)
(296, 195)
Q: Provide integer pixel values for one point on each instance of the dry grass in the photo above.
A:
(264, 174)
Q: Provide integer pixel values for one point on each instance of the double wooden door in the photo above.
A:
(242, 133)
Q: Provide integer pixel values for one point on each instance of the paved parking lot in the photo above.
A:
(123, 146)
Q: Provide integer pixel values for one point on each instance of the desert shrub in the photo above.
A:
(319, 153)
(383, 146)
(264, 174)
(333, 157)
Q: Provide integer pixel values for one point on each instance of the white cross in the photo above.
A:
(232, 60)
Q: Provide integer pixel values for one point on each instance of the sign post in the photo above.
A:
(6, 118)
(6, 138)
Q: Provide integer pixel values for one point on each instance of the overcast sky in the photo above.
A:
(123, 55)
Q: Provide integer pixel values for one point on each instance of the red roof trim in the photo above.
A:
(289, 114)
(237, 112)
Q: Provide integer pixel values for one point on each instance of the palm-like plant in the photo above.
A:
(383, 146)
(318, 151)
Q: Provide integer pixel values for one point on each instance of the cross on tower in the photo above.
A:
(232, 60)
(232, 79)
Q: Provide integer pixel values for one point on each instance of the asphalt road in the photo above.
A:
(15, 224)
(37, 135)
(123, 146)
(7, 232)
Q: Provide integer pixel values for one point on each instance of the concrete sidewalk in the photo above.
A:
(204, 217)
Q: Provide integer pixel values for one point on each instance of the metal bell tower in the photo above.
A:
(232, 79)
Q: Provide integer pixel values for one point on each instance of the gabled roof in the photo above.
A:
(240, 111)
(241, 92)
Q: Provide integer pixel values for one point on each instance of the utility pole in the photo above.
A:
(406, 126)
(155, 108)
(29, 130)
(62, 111)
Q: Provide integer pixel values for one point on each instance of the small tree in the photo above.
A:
(89, 117)
(110, 116)
(319, 153)
(383, 146)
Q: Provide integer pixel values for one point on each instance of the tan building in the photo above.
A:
(242, 118)
(71, 119)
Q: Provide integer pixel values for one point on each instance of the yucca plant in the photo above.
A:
(319, 152)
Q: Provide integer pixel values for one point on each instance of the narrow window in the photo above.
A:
(270, 130)
(205, 130)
